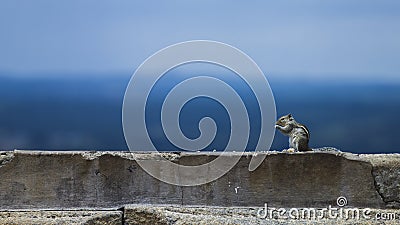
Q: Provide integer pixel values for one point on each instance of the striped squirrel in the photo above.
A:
(299, 135)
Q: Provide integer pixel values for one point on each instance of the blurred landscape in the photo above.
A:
(84, 113)
(65, 65)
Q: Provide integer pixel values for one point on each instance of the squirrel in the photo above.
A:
(299, 135)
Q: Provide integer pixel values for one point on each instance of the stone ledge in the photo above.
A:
(46, 179)
(177, 215)
(66, 217)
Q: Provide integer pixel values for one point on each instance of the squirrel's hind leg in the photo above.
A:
(302, 145)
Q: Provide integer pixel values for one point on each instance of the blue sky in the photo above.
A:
(352, 39)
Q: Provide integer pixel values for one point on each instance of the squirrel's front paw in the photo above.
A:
(291, 150)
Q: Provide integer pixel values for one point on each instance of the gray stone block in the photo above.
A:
(58, 180)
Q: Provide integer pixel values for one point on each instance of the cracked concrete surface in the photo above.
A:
(386, 173)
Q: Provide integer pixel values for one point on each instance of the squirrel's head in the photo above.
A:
(284, 120)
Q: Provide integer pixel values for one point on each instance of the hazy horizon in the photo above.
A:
(73, 113)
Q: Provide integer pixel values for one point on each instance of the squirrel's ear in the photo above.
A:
(290, 115)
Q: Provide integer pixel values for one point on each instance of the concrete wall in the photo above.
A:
(60, 180)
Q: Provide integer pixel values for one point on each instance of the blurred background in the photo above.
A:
(64, 65)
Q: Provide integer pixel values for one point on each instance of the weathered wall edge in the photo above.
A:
(90, 179)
